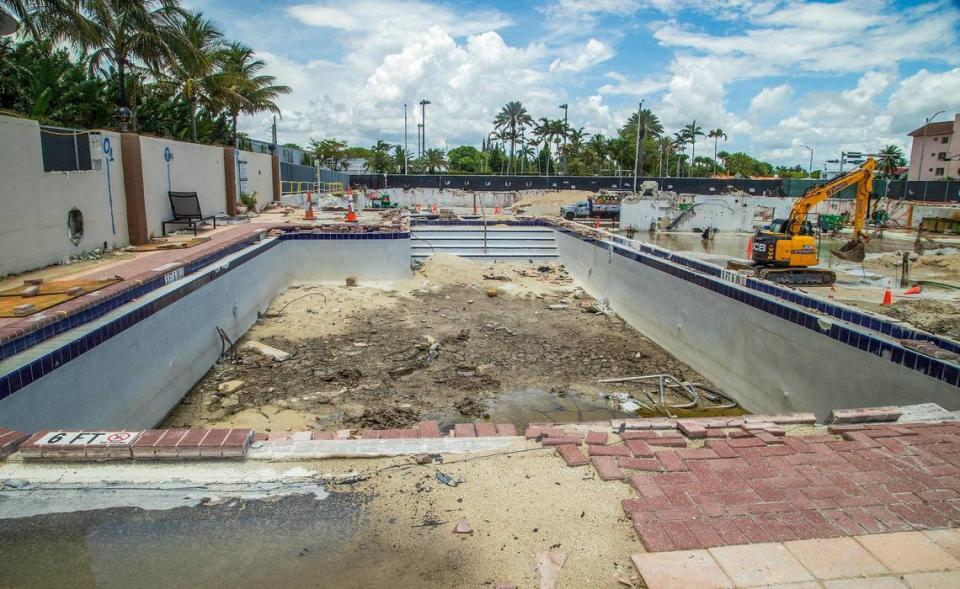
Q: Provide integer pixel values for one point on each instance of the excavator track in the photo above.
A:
(798, 276)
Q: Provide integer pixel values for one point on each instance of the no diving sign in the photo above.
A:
(88, 438)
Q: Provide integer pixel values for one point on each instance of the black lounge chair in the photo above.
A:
(186, 211)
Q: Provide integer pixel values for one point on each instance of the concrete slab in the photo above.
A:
(682, 569)
(942, 580)
(377, 447)
(835, 558)
(908, 552)
(760, 564)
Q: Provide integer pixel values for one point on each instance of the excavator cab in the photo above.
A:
(785, 251)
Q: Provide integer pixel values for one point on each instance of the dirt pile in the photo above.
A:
(444, 345)
(549, 203)
(940, 317)
(943, 262)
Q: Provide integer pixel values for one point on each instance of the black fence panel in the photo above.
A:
(297, 173)
(65, 150)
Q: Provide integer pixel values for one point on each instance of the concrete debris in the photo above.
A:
(268, 351)
(500, 277)
(30, 291)
(491, 292)
(557, 307)
(24, 310)
(462, 527)
(549, 565)
(230, 386)
(351, 281)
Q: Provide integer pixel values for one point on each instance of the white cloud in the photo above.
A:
(770, 100)
(625, 86)
(579, 58)
(923, 94)
(404, 16)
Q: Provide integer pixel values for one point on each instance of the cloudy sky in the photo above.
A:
(849, 74)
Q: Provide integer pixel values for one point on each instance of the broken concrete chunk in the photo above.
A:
(230, 386)
(557, 307)
(351, 281)
(463, 527)
(30, 291)
(23, 310)
(33, 281)
(75, 290)
(549, 565)
(268, 351)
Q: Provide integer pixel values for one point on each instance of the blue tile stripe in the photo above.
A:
(20, 378)
(27, 341)
(708, 276)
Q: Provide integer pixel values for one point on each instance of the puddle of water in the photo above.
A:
(292, 542)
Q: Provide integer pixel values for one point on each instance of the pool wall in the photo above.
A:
(761, 350)
(137, 362)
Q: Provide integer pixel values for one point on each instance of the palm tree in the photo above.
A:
(649, 127)
(693, 131)
(597, 149)
(680, 139)
(434, 159)
(199, 53)
(247, 91)
(126, 33)
(890, 158)
(716, 135)
(513, 117)
(665, 146)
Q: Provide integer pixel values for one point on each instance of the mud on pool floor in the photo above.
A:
(434, 347)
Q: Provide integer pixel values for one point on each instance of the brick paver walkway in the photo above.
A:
(762, 486)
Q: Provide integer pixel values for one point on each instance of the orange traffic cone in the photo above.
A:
(915, 289)
(887, 297)
(309, 214)
(433, 208)
(596, 222)
(352, 215)
(418, 207)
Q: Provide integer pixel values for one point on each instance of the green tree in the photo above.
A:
(434, 161)
(247, 90)
(378, 159)
(650, 126)
(198, 54)
(666, 146)
(716, 135)
(465, 158)
(126, 33)
(330, 152)
(890, 157)
(692, 132)
(511, 119)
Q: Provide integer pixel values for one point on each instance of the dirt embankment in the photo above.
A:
(549, 204)
(939, 317)
(436, 346)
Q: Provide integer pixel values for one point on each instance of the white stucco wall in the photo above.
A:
(34, 204)
(193, 168)
(259, 176)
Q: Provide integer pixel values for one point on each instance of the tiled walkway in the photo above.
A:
(744, 487)
(915, 560)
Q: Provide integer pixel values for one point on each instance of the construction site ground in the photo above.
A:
(436, 346)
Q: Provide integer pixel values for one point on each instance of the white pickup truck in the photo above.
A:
(590, 209)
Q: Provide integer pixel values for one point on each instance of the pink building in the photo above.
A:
(938, 146)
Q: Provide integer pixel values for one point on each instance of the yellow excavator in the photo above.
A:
(786, 250)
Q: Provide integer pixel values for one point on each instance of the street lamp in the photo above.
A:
(636, 155)
(423, 121)
(810, 169)
(566, 108)
(406, 156)
(419, 141)
(923, 147)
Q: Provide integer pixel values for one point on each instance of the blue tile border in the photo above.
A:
(710, 276)
(29, 340)
(20, 378)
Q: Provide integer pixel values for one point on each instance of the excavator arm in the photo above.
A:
(862, 177)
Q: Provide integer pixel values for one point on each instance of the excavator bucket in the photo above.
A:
(852, 251)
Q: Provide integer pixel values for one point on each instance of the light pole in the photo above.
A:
(810, 169)
(923, 147)
(419, 142)
(566, 108)
(405, 154)
(423, 121)
(636, 155)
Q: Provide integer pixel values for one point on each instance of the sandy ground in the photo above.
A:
(575, 513)
(549, 204)
(434, 347)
